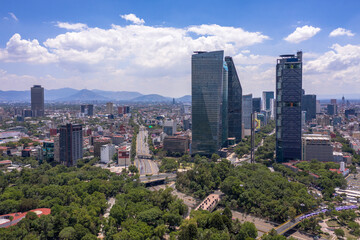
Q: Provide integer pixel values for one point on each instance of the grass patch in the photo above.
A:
(333, 223)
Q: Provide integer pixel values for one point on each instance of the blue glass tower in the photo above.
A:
(209, 80)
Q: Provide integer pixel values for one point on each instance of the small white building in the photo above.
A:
(107, 152)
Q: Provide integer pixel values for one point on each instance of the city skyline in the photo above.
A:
(126, 47)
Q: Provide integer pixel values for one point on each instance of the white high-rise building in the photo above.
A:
(107, 152)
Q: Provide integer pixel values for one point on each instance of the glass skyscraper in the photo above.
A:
(209, 80)
(234, 102)
(70, 144)
(308, 104)
(266, 99)
(288, 107)
(247, 107)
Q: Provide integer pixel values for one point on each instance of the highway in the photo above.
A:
(145, 165)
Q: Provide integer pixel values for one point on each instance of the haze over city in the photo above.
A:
(145, 46)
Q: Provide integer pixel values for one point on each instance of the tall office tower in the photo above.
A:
(209, 87)
(71, 144)
(87, 109)
(288, 104)
(330, 109)
(272, 108)
(247, 111)
(266, 98)
(234, 102)
(333, 101)
(109, 108)
(308, 104)
(318, 106)
(256, 104)
(37, 101)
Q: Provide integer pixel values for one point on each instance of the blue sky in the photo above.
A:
(146, 46)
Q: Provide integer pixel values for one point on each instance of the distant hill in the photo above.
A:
(152, 98)
(83, 95)
(53, 94)
(186, 98)
(118, 96)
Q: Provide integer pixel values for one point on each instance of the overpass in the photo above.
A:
(286, 226)
(210, 202)
(154, 180)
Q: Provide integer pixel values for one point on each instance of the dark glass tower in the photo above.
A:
(37, 101)
(308, 104)
(234, 102)
(247, 110)
(288, 107)
(71, 144)
(256, 104)
(209, 81)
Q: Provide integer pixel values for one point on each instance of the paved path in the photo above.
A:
(146, 166)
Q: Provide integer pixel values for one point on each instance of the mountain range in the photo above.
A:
(85, 95)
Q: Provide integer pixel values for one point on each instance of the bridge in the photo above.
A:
(154, 180)
(283, 228)
(210, 202)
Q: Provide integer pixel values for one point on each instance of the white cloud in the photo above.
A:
(341, 32)
(20, 50)
(72, 26)
(132, 18)
(338, 68)
(126, 57)
(13, 16)
(302, 33)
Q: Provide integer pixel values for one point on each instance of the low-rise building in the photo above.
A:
(316, 146)
(178, 144)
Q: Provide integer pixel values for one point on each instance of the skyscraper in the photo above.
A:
(209, 80)
(109, 108)
(247, 111)
(37, 101)
(71, 144)
(266, 96)
(234, 102)
(288, 104)
(87, 109)
(256, 105)
(308, 104)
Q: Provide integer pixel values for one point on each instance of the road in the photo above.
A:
(145, 165)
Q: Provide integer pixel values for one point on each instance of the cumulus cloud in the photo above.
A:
(72, 26)
(302, 33)
(338, 67)
(132, 18)
(12, 15)
(20, 50)
(134, 55)
(341, 32)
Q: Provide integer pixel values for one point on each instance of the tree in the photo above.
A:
(339, 232)
(67, 233)
(247, 230)
(133, 169)
(160, 230)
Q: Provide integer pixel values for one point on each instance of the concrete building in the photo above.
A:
(318, 107)
(316, 146)
(331, 109)
(272, 108)
(98, 142)
(209, 86)
(170, 127)
(288, 102)
(57, 148)
(107, 152)
(109, 108)
(37, 101)
(124, 155)
(71, 144)
(176, 144)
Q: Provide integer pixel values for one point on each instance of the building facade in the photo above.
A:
(87, 110)
(71, 144)
(37, 101)
(308, 104)
(247, 108)
(266, 98)
(209, 76)
(316, 146)
(288, 107)
(234, 102)
(256, 105)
